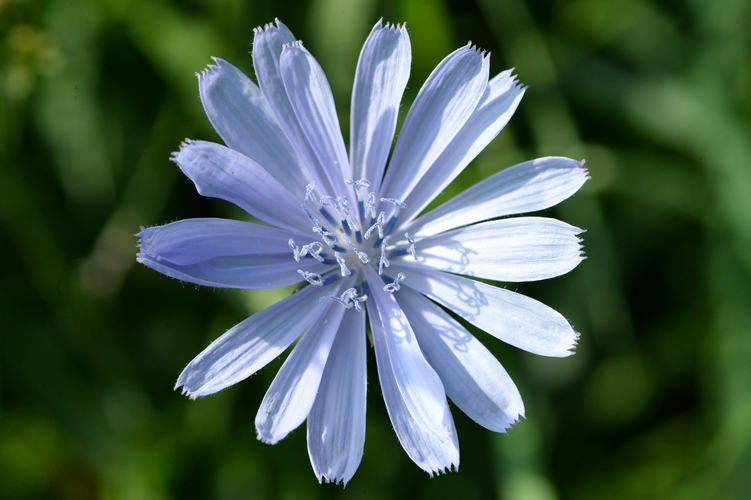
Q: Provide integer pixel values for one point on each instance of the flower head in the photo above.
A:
(349, 230)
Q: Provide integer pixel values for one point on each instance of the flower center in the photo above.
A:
(349, 239)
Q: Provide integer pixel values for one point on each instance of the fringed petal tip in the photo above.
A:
(297, 44)
(584, 170)
(186, 388)
(211, 68)
(267, 439)
(335, 480)
(519, 86)
(512, 425)
(185, 391)
(145, 238)
(452, 467)
(142, 237)
(582, 253)
(512, 79)
(174, 156)
(574, 344)
(276, 24)
(471, 46)
(390, 26)
(141, 230)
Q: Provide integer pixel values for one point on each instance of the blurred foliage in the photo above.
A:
(94, 95)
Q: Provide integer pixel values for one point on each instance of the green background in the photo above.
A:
(656, 403)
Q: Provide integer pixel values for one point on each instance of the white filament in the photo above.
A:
(312, 278)
(395, 286)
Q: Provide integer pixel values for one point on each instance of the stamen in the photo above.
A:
(371, 206)
(395, 286)
(313, 249)
(342, 206)
(326, 235)
(356, 301)
(378, 224)
(317, 224)
(295, 251)
(310, 194)
(349, 299)
(312, 278)
(411, 245)
(383, 261)
(397, 204)
(342, 264)
(360, 255)
(327, 201)
(362, 183)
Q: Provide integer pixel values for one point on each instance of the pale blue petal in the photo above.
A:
(267, 47)
(474, 380)
(223, 253)
(220, 172)
(336, 424)
(189, 241)
(495, 109)
(292, 393)
(310, 95)
(525, 187)
(268, 44)
(513, 318)
(443, 105)
(515, 249)
(249, 346)
(257, 272)
(413, 392)
(243, 119)
(380, 79)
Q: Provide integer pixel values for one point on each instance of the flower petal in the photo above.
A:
(223, 253)
(189, 241)
(336, 424)
(380, 79)
(525, 187)
(267, 47)
(292, 393)
(495, 109)
(443, 105)
(250, 345)
(514, 318)
(413, 392)
(310, 95)
(243, 119)
(248, 272)
(474, 379)
(220, 172)
(516, 249)
(268, 44)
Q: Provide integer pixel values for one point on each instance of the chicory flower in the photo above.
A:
(348, 228)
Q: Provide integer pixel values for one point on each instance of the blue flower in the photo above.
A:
(349, 230)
